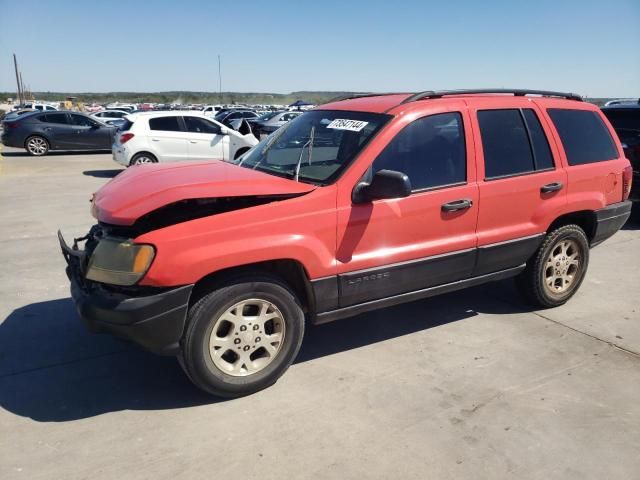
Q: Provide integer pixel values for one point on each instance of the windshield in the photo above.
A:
(316, 146)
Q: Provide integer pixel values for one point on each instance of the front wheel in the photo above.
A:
(37, 146)
(242, 337)
(556, 271)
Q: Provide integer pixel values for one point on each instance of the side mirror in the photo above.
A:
(224, 131)
(386, 184)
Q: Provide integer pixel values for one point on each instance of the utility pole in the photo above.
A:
(24, 93)
(219, 79)
(15, 65)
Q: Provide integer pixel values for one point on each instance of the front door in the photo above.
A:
(205, 142)
(390, 247)
(90, 134)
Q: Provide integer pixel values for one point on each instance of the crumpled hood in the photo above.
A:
(145, 188)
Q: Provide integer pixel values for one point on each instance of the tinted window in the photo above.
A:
(505, 143)
(200, 125)
(82, 121)
(248, 115)
(60, 118)
(584, 136)
(430, 151)
(541, 151)
(167, 124)
(623, 119)
(233, 116)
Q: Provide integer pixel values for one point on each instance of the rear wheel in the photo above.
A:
(242, 337)
(142, 158)
(556, 271)
(37, 146)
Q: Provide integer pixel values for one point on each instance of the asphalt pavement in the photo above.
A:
(472, 384)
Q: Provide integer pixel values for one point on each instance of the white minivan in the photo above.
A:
(150, 137)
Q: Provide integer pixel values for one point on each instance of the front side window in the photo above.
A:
(316, 147)
(200, 125)
(165, 124)
(82, 121)
(584, 136)
(430, 151)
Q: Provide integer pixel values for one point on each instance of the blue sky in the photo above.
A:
(588, 47)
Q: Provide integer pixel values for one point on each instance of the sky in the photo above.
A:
(588, 47)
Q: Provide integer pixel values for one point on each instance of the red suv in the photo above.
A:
(359, 204)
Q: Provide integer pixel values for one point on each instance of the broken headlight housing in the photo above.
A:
(119, 261)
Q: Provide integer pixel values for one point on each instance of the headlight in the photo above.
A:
(119, 261)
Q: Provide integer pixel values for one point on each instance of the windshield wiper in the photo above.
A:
(308, 144)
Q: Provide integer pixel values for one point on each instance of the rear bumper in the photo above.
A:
(120, 155)
(154, 321)
(609, 220)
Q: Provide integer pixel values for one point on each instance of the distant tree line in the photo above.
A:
(185, 97)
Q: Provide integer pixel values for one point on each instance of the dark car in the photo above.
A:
(40, 132)
(226, 117)
(625, 118)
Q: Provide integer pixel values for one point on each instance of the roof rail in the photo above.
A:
(362, 95)
(516, 92)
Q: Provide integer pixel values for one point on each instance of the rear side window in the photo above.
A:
(59, 118)
(584, 136)
(541, 151)
(430, 151)
(513, 143)
(166, 124)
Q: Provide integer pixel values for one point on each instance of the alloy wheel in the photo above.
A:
(562, 267)
(247, 337)
(37, 146)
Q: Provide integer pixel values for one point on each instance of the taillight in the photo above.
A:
(11, 125)
(125, 137)
(627, 176)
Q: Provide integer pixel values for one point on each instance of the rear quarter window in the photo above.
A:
(584, 136)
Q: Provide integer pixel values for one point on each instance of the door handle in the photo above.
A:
(193, 141)
(457, 205)
(155, 139)
(551, 187)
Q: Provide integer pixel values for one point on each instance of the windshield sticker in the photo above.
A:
(344, 124)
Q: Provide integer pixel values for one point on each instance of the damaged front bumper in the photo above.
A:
(152, 318)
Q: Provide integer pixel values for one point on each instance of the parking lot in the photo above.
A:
(471, 384)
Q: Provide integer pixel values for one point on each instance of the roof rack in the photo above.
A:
(516, 92)
(363, 95)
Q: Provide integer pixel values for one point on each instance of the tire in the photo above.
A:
(228, 357)
(37, 146)
(142, 158)
(556, 271)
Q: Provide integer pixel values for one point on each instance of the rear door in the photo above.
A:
(89, 133)
(168, 139)
(390, 247)
(523, 186)
(58, 129)
(205, 142)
